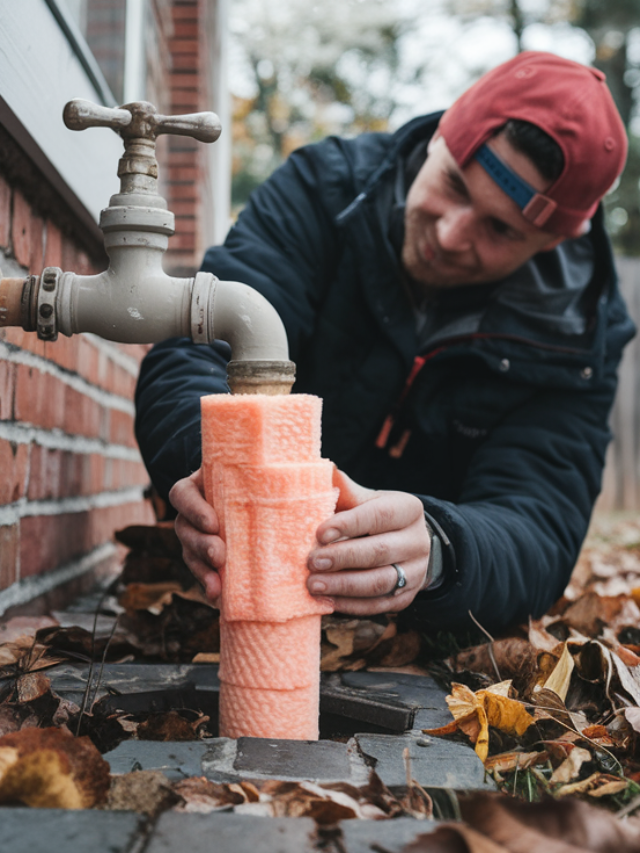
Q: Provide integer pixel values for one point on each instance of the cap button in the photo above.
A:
(586, 372)
(609, 143)
(505, 365)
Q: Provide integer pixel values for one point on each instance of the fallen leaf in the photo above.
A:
(506, 762)
(473, 713)
(49, 768)
(570, 767)
(558, 681)
(513, 658)
(202, 796)
(632, 716)
(147, 792)
(170, 726)
(596, 785)
(32, 686)
(153, 597)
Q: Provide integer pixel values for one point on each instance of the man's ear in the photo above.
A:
(432, 141)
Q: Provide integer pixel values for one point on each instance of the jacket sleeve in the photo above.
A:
(283, 245)
(515, 534)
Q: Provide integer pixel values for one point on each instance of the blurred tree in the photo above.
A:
(314, 69)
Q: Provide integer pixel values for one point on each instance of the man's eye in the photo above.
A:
(456, 186)
(500, 228)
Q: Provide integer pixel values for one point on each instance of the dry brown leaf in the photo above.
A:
(206, 657)
(541, 639)
(632, 716)
(507, 762)
(592, 611)
(201, 795)
(566, 826)
(596, 785)
(32, 686)
(513, 657)
(169, 726)
(147, 792)
(153, 597)
(558, 681)
(49, 768)
(346, 642)
(400, 650)
(570, 767)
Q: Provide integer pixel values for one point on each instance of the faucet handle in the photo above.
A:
(140, 120)
(80, 114)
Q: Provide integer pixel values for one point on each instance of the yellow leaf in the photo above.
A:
(462, 701)
(505, 714)
(559, 679)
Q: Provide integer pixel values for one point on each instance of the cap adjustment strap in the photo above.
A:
(535, 207)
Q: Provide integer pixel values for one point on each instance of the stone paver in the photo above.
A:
(322, 760)
(419, 695)
(435, 763)
(359, 836)
(176, 759)
(230, 833)
(25, 830)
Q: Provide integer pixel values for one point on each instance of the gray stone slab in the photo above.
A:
(358, 836)
(177, 759)
(322, 761)
(421, 694)
(70, 680)
(230, 833)
(435, 763)
(48, 830)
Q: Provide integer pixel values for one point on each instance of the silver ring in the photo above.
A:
(401, 580)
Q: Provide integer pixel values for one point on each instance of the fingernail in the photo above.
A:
(330, 535)
(322, 563)
(318, 586)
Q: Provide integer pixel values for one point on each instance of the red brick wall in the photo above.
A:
(186, 162)
(70, 473)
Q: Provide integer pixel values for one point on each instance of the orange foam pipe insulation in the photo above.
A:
(271, 489)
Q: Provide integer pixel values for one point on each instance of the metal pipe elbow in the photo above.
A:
(236, 313)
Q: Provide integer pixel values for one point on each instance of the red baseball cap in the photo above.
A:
(570, 102)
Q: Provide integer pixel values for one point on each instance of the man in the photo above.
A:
(449, 292)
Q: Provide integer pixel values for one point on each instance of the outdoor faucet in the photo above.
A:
(134, 300)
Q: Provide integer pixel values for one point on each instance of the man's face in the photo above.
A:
(461, 228)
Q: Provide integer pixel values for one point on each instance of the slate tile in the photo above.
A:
(322, 760)
(46, 830)
(177, 759)
(229, 833)
(435, 763)
(359, 836)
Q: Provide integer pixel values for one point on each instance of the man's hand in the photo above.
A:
(198, 530)
(353, 565)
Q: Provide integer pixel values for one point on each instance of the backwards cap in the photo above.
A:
(573, 105)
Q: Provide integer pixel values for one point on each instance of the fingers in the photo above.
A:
(357, 547)
(385, 511)
(187, 497)
(197, 528)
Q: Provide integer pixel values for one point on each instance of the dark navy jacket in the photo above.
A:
(503, 429)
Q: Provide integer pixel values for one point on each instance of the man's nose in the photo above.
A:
(454, 229)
